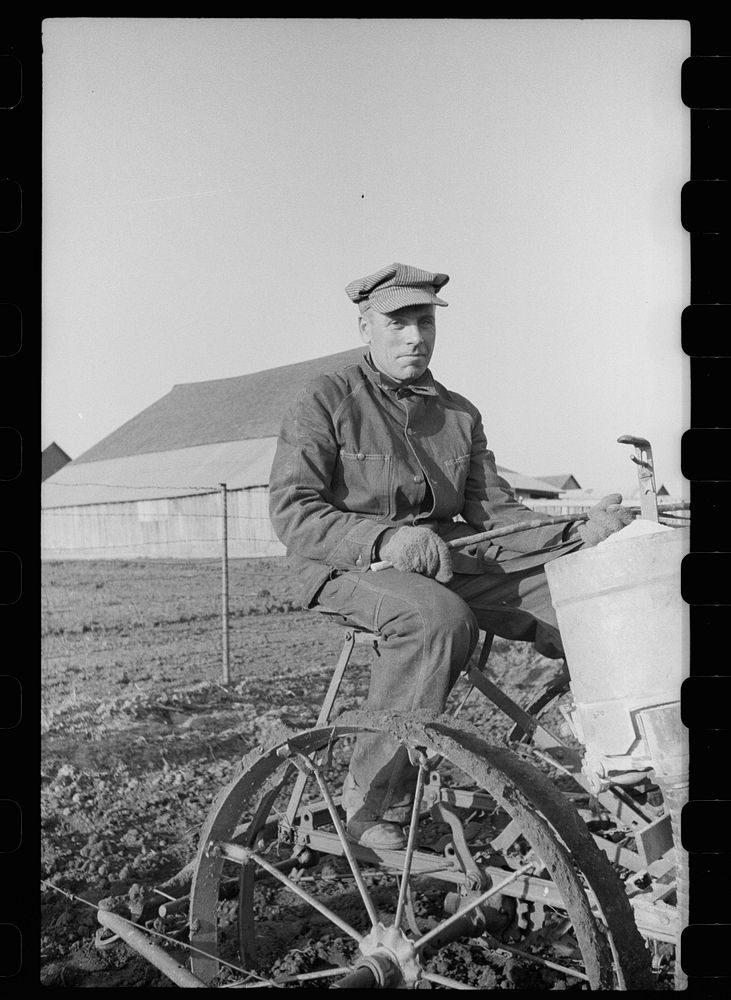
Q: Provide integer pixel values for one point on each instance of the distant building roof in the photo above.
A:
(53, 458)
(226, 409)
(567, 481)
(661, 491)
(527, 484)
(630, 494)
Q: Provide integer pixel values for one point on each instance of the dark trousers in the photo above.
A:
(428, 632)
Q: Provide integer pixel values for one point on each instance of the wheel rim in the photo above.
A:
(523, 792)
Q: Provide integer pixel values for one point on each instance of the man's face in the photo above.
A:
(401, 342)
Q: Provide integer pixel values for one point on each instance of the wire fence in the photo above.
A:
(181, 526)
(167, 561)
(103, 619)
(193, 525)
(217, 524)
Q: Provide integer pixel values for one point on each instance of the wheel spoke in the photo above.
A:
(410, 914)
(338, 824)
(410, 845)
(296, 977)
(302, 977)
(565, 969)
(234, 852)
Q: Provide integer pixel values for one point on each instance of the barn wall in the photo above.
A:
(177, 527)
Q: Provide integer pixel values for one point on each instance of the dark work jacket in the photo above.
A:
(358, 455)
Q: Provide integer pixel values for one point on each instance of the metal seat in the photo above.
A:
(359, 636)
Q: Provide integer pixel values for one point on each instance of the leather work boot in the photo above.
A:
(377, 834)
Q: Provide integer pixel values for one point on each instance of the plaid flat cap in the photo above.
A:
(396, 286)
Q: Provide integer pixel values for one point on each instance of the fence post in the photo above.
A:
(224, 584)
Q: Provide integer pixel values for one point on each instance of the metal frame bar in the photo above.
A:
(154, 954)
(350, 640)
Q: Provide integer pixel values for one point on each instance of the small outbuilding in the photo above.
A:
(53, 458)
(527, 487)
(566, 481)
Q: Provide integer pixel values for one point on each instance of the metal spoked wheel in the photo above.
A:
(466, 899)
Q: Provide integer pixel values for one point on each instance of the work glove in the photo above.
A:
(418, 550)
(604, 519)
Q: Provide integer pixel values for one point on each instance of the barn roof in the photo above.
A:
(241, 408)
(162, 474)
(199, 435)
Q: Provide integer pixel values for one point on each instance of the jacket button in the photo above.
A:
(360, 456)
(418, 479)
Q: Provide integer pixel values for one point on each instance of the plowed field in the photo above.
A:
(139, 734)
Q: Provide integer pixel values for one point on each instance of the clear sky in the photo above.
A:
(211, 186)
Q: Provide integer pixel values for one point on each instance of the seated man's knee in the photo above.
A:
(453, 616)
(444, 620)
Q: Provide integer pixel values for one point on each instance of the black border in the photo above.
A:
(705, 207)
(20, 284)
(20, 130)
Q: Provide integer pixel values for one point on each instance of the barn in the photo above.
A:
(157, 487)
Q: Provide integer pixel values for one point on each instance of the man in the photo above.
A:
(373, 463)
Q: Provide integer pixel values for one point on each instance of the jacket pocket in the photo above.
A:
(363, 483)
(455, 473)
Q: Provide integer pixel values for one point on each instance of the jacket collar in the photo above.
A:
(423, 386)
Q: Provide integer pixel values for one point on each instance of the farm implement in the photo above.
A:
(554, 858)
